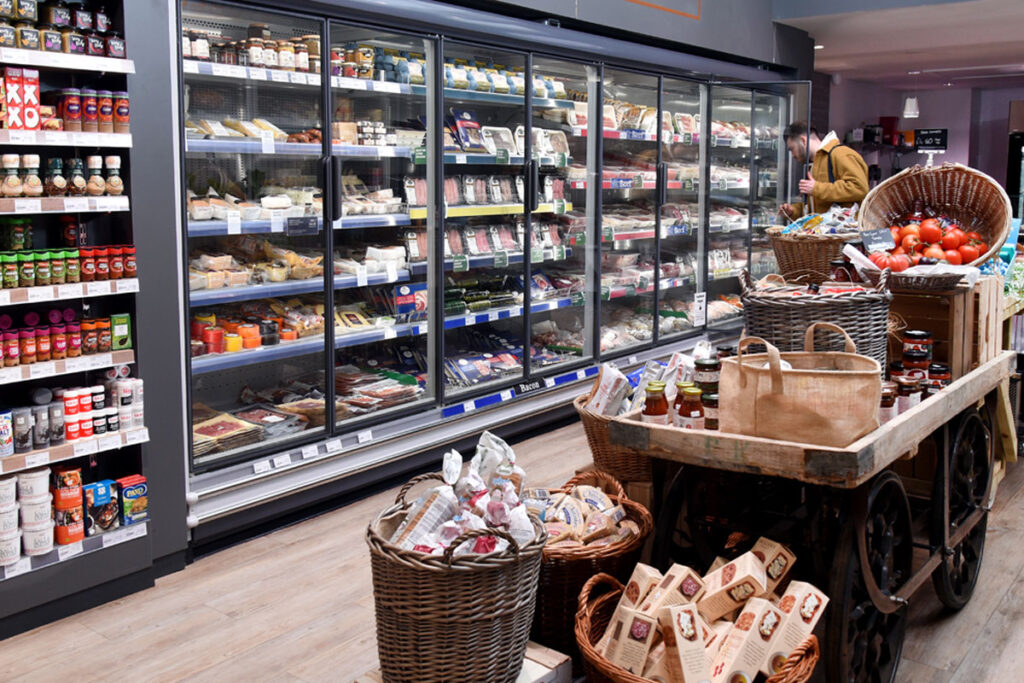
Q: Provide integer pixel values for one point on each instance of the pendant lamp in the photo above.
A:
(911, 109)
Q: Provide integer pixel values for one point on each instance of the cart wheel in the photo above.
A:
(863, 644)
(970, 471)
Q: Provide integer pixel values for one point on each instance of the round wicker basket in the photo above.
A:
(968, 196)
(805, 257)
(622, 463)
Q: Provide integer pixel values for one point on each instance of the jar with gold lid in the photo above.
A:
(270, 54)
(285, 55)
(301, 56)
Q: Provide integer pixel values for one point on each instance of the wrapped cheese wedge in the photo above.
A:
(275, 202)
(199, 209)
(246, 128)
(263, 124)
(248, 210)
(217, 129)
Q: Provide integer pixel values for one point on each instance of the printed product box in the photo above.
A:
(777, 560)
(680, 585)
(732, 585)
(643, 579)
(749, 642)
(684, 634)
(632, 636)
(802, 606)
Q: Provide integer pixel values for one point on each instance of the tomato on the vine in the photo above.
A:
(950, 240)
(911, 243)
(973, 237)
(954, 257)
(960, 235)
(935, 252)
(930, 231)
(968, 253)
(909, 229)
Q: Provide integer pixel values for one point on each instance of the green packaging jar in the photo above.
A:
(57, 273)
(9, 264)
(42, 268)
(26, 269)
(72, 266)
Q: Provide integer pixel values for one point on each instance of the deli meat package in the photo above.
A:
(486, 496)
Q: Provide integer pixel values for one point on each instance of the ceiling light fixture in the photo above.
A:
(911, 110)
(819, 47)
(913, 73)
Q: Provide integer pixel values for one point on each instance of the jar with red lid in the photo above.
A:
(908, 393)
(43, 344)
(839, 271)
(131, 268)
(918, 340)
(915, 364)
(102, 258)
(87, 264)
(74, 340)
(116, 260)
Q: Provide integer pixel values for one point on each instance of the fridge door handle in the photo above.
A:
(534, 181)
(662, 183)
(332, 169)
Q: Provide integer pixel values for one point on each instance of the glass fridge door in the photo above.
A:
(563, 254)
(771, 115)
(728, 193)
(255, 245)
(680, 310)
(382, 125)
(629, 200)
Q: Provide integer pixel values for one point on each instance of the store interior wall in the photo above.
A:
(948, 108)
(990, 129)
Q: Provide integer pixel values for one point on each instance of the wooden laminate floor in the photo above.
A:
(296, 605)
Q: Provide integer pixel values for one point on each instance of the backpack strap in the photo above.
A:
(831, 173)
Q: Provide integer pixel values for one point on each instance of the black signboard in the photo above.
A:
(877, 240)
(930, 139)
(305, 225)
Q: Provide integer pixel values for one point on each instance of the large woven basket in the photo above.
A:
(782, 320)
(444, 618)
(594, 615)
(622, 463)
(805, 257)
(564, 570)
(968, 196)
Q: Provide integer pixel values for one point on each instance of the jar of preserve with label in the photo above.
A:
(680, 386)
(101, 256)
(918, 340)
(130, 265)
(707, 372)
(908, 393)
(710, 403)
(888, 409)
(87, 264)
(655, 404)
(915, 364)
(939, 377)
(895, 369)
(691, 412)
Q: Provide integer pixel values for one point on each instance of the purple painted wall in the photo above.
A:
(948, 108)
(990, 130)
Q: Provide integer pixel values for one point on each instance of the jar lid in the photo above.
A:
(655, 386)
(710, 398)
(915, 355)
(938, 368)
(896, 365)
(684, 385)
(70, 91)
(910, 382)
(707, 363)
(837, 263)
(31, 318)
(917, 334)
(692, 391)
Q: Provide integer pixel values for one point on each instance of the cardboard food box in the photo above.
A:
(732, 585)
(120, 331)
(656, 667)
(713, 642)
(777, 560)
(802, 606)
(680, 586)
(684, 633)
(749, 642)
(632, 637)
(640, 583)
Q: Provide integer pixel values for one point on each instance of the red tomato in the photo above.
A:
(880, 259)
(954, 257)
(910, 229)
(982, 247)
(935, 252)
(969, 253)
(899, 263)
(915, 259)
(950, 240)
(898, 251)
(930, 231)
(910, 243)
(895, 234)
(973, 236)
(960, 235)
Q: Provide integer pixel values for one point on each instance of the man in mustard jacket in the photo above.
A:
(838, 174)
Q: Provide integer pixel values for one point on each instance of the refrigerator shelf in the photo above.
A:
(634, 184)
(608, 134)
(356, 84)
(471, 210)
(382, 220)
(623, 292)
(266, 145)
(217, 228)
(250, 73)
(208, 297)
(487, 261)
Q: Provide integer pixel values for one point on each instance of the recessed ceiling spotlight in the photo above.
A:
(913, 73)
(819, 47)
(948, 84)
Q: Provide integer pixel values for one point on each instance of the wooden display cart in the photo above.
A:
(868, 536)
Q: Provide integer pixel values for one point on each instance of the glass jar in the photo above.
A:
(105, 111)
(26, 269)
(286, 55)
(122, 112)
(12, 179)
(42, 261)
(655, 404)
(95, 44)
(90, 337)
(101, 256)
(56, 12)
(186, 44)
(43, 346)
(27, 343)
(725, 352)
(301, 56)
(96, 186)
(26, 35)
(12, 349)
(72, 41)
(908, 393)
(102, 19)
(72, 265)
(74, 339)
(58, 272)
(270, 54)
(116, 259)
(677, 404)
(56, 185)
(710, 403)
(114, 45)
(691, 412)
(838, 270)
(81, 18)
(707, 372)
(200, 46)
(915, 364)
(918, 340)
(70, 109)
(254, 48)
(9, 264)
(939, 377)
(6, 9)
(31, 183)
(50, 38)
(27, 10)
(58, 342)
(261, 31)
(103, 338)
(130, 265)
(8, 36)
(314, 64)
(115, 185)
(895, 370)
(90, 111)
(87, 265)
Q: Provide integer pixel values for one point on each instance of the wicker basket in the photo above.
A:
(782, 320)
(441, 618)
(805, 257)
(969, 197)
(593, 617)
(622, 463)
(565, 570)
(916, 283)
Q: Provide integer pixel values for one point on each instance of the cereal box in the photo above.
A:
(751, 639)
(30, 98)
(101, 507)
(802, 606)
(684, 634)
(777, 560)
(732, 585)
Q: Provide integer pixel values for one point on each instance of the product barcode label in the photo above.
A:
(220, 70)
(279, 76)
(102, 360)
(39, 294)
(267, 142)
(257, 74)
(136, 436)
(506, 395)
(76, 204)
(190, 67)
(334, 445)
(97, 288)
(37, 370)
(129, 285)
(5, 297)
(390, 333)
(365, 436)
(313, 79)
(28, 205)
(10, 375)
(69, 291)
(633, 360)
(277, 220)
(381, 86)
(22, 566)
(392, 270)
(297, 77)
(361, 277)
(76, 364)
(135, 531)
(235, 71)
(261, 467)
(460, 158)
(87, 447)
(21, 137)
(234, 223)
(109, 442)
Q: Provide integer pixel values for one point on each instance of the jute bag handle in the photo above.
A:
(809, 336)
(774, 362)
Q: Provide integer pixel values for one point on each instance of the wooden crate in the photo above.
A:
(988, 319)
(540, 665)
(949, 316)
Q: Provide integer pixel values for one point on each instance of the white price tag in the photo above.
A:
(460, 158)
(66, 551)
(506, 395)
(22, 566)
(334, 445)
(257, 74)
(700, 308)
(115, 537)
(237, 71)
(277, 220)
(267, 142)
(234, 223)
(133, 531)
(309, 452)
(87, 447)
(468, 407)
(297, 77)
(282, 460)
(581, 374)
(383, 86)
(220, 70)
(392, 270)
(360, 276)
(8, 375)
(37, 370)
(76, 204)
(28, 205)
(56, 137)
(36, 294)
(109, 442)
(633, 360)
(493, 315)
(5, 297)
(136, 436)
(76, 364)
(390, 333)
(190, 66)
(102, 360)
(313, 79)
(549, 382)
(365, 436)
(69, 291)
(37, 459)
(279, 76)
(350, 83)
(21, 137)
(261, 467)
(97, 288)
(127, 285)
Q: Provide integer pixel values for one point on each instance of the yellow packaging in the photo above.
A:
(777, 560)
(683, 632)
(749, 642)
(802, 606)
(732, 585)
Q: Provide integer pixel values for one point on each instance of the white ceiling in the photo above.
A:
(969, 44)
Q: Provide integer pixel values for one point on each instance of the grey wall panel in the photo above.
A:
(151, 27)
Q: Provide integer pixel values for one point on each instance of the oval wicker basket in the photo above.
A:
(805, 257)
(622, 463)
(444, 618)
(565, 570)
(968, 196)
(592, 619)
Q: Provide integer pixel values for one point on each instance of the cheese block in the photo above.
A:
(593, 496)
(276, 202)
(598, 525)
(568, 510)
(217, 129)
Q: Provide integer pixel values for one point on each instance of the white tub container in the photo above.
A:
(10, 548)
(8, 490)
(37, 541)
(8, 518)
(34, 484)
(37, 512)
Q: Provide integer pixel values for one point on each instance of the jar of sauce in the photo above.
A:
(27, 10)
(200, 46)
(130, 266)
(57, 12)
(90, 337)
(261, 31)
(939, 377)
(655, 404)
(27, 339)
(72, 40)
(918, 340)
(102, 19)
(908, 393)
(915, 364)
(707, 373)
(710, 403)
(6, 9)
(254, 48)
(12, 349)
(838, 270)
(101, 257)
(50, 38)
(895, 369)
(301, 56)
(691, 411)
(72, 265)
(95, 44)
(103, 335)
(186, 44)
(74, 340)
(81, 18)
(88, 264)
(677, 404)
(8, 36)
(270, 54)
(26, 35)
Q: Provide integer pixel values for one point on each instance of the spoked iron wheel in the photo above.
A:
(863, 643)
(970, 471)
